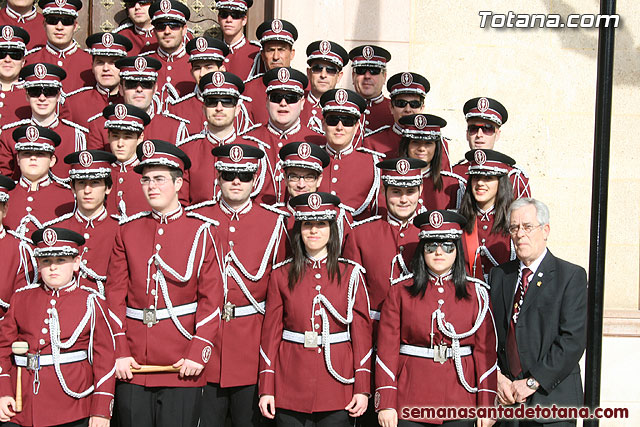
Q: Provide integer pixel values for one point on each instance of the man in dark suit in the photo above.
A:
(540, 308)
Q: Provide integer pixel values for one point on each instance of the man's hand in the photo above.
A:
(388, 418)
(123, 367)
(267, 405)
(7, 408)
(188, 368)
(505, 392)
(99, 422)
(358, 405)
(521, 391)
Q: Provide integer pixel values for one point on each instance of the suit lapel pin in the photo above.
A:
(540, 274)
(539, 283)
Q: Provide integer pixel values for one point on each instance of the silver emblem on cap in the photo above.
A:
(325, 47)
(406, 79)
(140, 63)
(420, 121)
(341, 96)
(304, 150)
(32, 133)
(217, 79)
(107, 39)
(315, 201)
(40, 71)
(49, 237)
(148, 148)
(284, 75)
(403, 166)
(368, 52)
(120, 111)
(201, 44)
(236, 154)
(276, 26)
(165, 6)
(436, 219)
(86, 159)
(7, 32)
(480, 157)
(483, 104)
(61, 3)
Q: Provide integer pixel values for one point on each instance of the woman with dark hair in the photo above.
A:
(315, 352)
(436, 338)
(484, 205)
(421, 139)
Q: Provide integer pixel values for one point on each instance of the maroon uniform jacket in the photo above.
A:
(87, 366)
(378, 113)
(32, 208)
(32, 22)
(14, 105)
(166, 127)
(353, 176)
(384, 247)
(174, 78)
(311, 115)
(127, 197)
(404, 331)
(492, 248)
(168, 263)
(73, 136)
(80, 105)
(256, 91)
(142, 40)
(518, 177)
(299, 377)
(17, 266)
(99, 234)
(448, 198)
(75, 61)
(249, 239)
(241, 57)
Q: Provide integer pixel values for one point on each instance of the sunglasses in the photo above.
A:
(289, 98)
(361, 71)
(348, 121)
(144, 84)
(235, 14)
(401, 103)
(447, 247)
(242, 176)
(487, 129)
(317, 69)
(226, 102)
(48, 91)
(67, 21)
(129, 4)
(16, 55)
(173, 25)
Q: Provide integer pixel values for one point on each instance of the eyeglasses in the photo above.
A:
(447, 247)
(159, 181)
(242, 176)
(67, 21)
(235, 14)
(317, 69)
(333, 119)
(226, 102)
(16, 55)
(308, 178)
(129, 4)
(401, 103)
(289, 98)
(361, 71)
(173, 25)
(527, 228)
(144, 84)
(487, 129)
(48, 91)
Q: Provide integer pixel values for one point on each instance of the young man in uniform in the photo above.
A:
(23, 14)
(138, 85)
(232, 18)
(84, 103)
(325, 62)
(13, 103)
(250, 235)
(43, 84)
(60, 24)
(164, 290)
(485, 117)
(91, 183)
(137, 27)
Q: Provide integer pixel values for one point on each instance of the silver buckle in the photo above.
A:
(33, 362)
(440, 353)
(229, 311)
(149, 317)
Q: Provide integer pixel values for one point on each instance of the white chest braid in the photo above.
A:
(354, 280)
(161, 282)
(448, 330)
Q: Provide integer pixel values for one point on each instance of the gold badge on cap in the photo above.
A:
(304, 150)
(325, 47)
(7, 32)
(341, 96)
(315, 201)
(406, 79)
(480, 157)
(40, 71)
(107, 39)
(483, 104)
(50, 237)
(86, 159)
(217, 79)
(276, 26)
(284, 75)
(236, 154)
(32, 133)
(436, 219)
(201, 44)
(403, 166)
(140, 63)
(420, 121)
(148, 148)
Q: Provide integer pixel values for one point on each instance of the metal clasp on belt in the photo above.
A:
(33, 362)
(440, 353)
(229, 311)
(149, 316)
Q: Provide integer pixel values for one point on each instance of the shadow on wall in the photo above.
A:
(366, 29)
(626, 66)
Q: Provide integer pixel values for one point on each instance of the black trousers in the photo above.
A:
(240, 403)
(286, 418)
(452, 423)
(84, 422)
(138, 406)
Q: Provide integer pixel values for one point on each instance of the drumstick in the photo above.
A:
(19, 348)
(149, 369)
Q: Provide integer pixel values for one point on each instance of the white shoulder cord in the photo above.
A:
(372, 197)
(354, 280)
(448, 330)
(56, 344)
(26, 254)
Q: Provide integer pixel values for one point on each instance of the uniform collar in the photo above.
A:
(22, 18)
(284, 134)
(316, 263)
(42, 182)
(338, 154)
(16, 85)
(198, 93)
(426, 173)
(238, 44)
(315, 102)
(375, 100)
(169, 216)
(150, 111)
(62, 53)
(106, 92)
(397, 129)
(170, 57)
(71, 286)
(3, 232)
(396, 222)
(143, 31)
(484, 215)
(235, 213)
(100, 216)
(438, 280)
(222, 141)
(123, 165)
(54, 124)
